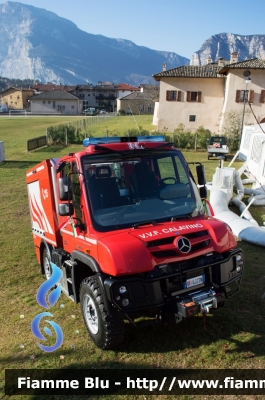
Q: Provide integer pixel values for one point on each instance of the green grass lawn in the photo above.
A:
(234, 335)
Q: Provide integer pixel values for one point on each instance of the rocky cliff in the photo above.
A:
(223, 44)
(38, 44)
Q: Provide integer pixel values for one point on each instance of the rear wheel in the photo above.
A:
(104, 329)
(46, 263)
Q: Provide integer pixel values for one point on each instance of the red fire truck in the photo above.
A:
(124, 221)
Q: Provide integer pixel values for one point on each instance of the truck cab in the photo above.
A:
(128, 231)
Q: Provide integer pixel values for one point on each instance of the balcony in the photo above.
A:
(107, 98)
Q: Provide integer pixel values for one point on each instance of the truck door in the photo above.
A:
(72, 227)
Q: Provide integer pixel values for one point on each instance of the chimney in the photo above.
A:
(209, 60)
(164, 67)
(221, 62)
(234, 57)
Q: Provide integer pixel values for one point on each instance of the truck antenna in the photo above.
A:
(134, 118)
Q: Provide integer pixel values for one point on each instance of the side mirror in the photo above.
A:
(201, 174)
(201, 179)
(64, 188)
(66, 210)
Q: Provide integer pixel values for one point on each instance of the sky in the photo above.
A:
(170, 25)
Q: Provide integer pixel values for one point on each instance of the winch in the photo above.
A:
(197, 302)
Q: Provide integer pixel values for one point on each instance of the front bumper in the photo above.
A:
(165, 288)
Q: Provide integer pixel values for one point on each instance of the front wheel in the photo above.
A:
(104, 329)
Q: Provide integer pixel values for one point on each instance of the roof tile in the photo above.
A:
(191, 71)
(254, 63)
(55, 95)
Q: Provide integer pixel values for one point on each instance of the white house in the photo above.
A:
(201, 95)
(56, 102)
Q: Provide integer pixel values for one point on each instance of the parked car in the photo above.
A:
(90, 111)
(103, 112)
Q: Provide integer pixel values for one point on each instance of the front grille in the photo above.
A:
(160, 242)
(164, 253)
(162, 248)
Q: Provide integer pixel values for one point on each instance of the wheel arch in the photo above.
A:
(84, 267)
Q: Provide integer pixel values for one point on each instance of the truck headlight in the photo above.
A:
(122, 289)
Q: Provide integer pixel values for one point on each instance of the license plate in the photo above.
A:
(198, 280)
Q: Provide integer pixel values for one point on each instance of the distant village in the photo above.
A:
(192, 95)
(87, 99)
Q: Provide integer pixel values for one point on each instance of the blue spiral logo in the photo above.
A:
(48, 285)
(35, 328)
(53, 296)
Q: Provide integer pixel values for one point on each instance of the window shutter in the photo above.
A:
(179, 95)
(237, 96)
(188, 96)
(251, 96)
(168, 94)
(199, 97)
(262, 96)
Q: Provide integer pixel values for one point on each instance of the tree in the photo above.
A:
(232, 127)
(25, 83)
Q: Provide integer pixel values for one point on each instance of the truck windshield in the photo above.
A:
(130, 189)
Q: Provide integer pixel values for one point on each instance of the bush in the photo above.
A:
(202, 137)
(65, 134)
(138, 132)
(186, 140)
(57, 134)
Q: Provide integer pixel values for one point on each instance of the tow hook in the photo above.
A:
(205, 303)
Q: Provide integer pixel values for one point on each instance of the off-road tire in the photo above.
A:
(104, 329)
(47, 269)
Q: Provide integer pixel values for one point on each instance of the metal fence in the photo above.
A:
(35, 143)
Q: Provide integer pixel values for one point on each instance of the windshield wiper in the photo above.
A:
(164, 145)
(180, 217)
(98, 147)
(152, 222)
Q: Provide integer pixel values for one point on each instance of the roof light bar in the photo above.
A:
(106, 140)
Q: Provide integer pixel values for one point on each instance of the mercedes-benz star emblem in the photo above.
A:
(183, 245)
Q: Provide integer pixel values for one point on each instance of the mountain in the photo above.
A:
(38, 44)
(223, 44)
